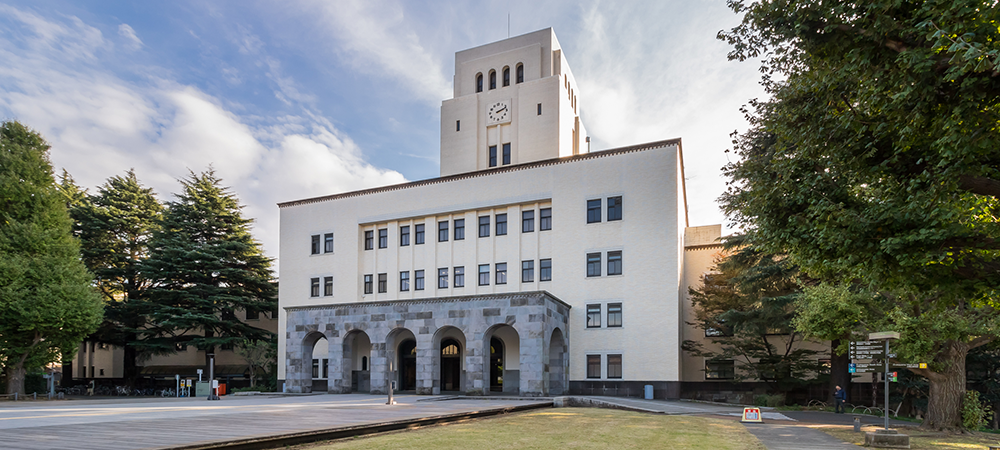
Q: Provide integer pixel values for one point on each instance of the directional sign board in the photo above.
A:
(867, 350)
(908, 366)
(866, 368)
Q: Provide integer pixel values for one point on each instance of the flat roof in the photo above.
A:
(498, 170)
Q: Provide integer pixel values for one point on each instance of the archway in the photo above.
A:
(451, 365)
(406, 362)
(357, 349)
(308, 373)
(503, 366)
(448, 352)
(557, 363)
(496, 364)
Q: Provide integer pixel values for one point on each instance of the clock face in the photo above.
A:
(498, 112)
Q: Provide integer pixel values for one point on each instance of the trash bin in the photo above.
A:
(649, 392)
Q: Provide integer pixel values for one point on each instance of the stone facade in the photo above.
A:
(539, 321)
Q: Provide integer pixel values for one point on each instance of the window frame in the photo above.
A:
(501, 225)
(519, 73)
(594, 211)
(593, 265)
(484, 226)
(328, 286)
(528, 221)
(545, 219)
(479, 82)
(314, 246)
(459, 229)
(614, 210)
(328, 243)
(493, 155)
(505, 80)
(443, 230)
(459, 272)
(594, 367)
(404, 281)
(528, 271)
(383, 283)
(484, 275)
(611, 372)
(418, 234)
(615, 262)
(369, 283)
(501, 273)
(594, 312)
(543, 271)
(614, 315)
(314, 287)
(383, 238)
(369, 240)
(493, 79)
(506, 154)
(418, 280)
(404, 236)
(442, 278)
(718, 364)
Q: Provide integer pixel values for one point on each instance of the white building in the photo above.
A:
(531, 266)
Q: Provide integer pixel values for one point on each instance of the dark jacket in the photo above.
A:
(840, 395)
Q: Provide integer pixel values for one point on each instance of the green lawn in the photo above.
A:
(565, 428)
(923, 440)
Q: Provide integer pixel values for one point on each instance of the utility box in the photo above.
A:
(202, 389)
(649, 392)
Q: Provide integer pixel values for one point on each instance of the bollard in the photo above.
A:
(857, 424)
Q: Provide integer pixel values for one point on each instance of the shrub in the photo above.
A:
(769, 400)
(974, 412)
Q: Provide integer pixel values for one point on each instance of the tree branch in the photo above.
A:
(979, 185)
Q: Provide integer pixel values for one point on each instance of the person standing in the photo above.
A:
(839, 397)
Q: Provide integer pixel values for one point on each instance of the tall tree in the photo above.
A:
(47, 304)
(877, 160)
(115, 226)
(746, 307)
(205, 265)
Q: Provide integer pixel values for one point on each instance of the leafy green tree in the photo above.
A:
(877, 161)
(261, 357)
(204, 266)
(47, 305)
(115, 226)
(746, 307)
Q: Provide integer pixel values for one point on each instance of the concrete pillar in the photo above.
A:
(533, 358)
(476, 361)
(379, 364)
(425, 364)
(340, 359)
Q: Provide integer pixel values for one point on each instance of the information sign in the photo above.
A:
(752, 415)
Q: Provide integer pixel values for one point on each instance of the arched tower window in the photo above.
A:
(520, 73)
(506, 76)
(479, 82)
(493, 79)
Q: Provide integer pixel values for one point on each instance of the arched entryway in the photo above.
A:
(315, 357)
(357, 350)
(504, 350)
(406, 361)
(557, 363)
(451, 365)
(447, 358)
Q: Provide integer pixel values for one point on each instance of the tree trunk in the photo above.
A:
(131, 371)
(839, 375)
(15, 378)
(947, 388)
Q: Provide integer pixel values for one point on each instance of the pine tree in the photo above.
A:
(205, 266)
(115, 226)
(47, 304)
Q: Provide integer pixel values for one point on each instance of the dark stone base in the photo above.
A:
(663, 390)
(886, 439)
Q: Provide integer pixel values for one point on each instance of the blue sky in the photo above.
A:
(295, 99)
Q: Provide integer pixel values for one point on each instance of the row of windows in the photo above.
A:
(506, 77)
(614, 315)
(327, 286)
(326, 244)
(594, 263)
(527, 226)
(505, 155)
(614, 209)
(614, 367)
(457, 276)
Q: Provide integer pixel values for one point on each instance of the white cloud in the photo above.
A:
(132, 41)
(100, 124)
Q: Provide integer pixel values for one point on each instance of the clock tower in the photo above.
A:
(515, 101)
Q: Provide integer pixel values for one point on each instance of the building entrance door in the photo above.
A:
(451, 365)
(408, 365)
(496, 365)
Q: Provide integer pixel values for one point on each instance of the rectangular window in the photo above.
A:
(253, 315)
(484, 274)
(720, 369)
(328, 243)
(460, 276)
(325, 367)
(614, 366)
(459, 229)
(501, 273)
(368, 283)
(404, 281)
(614, 314)
(594, 316)
(545, 270)
(593, 366)
(615, 263)
(369, 240)
(383, 283)
(545, 219)
(593, 264)
(527, 271)
(614, 208)
(527, 221)
(418, 280)
(539, 109)
(506, 153)
(443, 231)
(315, 244)
(314, 287)
(484, 226)
(443, 278)
(458, 125)
(501, 224)
(383, 238)
(418, 231)
(315, 368)
(404, 236)
(327, 286)
(493, 156)
(593, 211)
